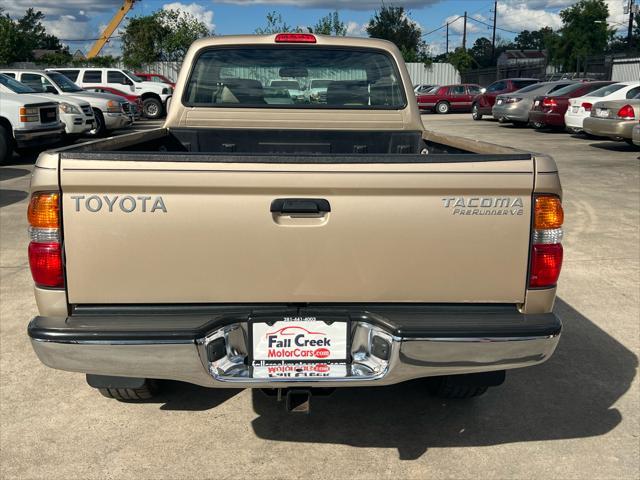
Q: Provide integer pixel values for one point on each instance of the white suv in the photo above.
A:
(154, 95)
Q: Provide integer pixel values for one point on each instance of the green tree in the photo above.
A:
(584, 32)
(620, 43)
(141, 41)
(543, 39)
(393, 24)
(62, 57)
(462, 60)
(182, 29)
(164, 35)
(18, 38)
(481, 51)
(330, 24)
(276, 24)
(10, 46)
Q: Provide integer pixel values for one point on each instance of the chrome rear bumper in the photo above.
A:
(188, 359)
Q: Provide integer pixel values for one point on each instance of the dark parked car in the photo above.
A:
(483, 103)
(449, 98)
(549, 110)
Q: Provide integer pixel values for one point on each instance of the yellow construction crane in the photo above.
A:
(110, 28)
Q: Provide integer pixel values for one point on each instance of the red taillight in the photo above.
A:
(587, 106)
(546, 262)
(295, 38)
(546, 249)
(627, 112)
(45, 260)
(549, 102)
(45, 252)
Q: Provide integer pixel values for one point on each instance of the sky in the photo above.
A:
(77, 22)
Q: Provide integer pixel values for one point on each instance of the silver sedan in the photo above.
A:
(514, 107)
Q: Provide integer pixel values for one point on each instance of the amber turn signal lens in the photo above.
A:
(548, 212)
(44, 210)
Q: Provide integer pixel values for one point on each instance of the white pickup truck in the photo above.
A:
(154, 95)
(27, 121)
(330, 242)
(76, 114)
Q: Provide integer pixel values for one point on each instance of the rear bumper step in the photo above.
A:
(209, 349)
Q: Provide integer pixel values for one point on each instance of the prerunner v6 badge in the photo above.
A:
(298, 339)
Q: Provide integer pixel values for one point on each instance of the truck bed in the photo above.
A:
(352, 146)
(391, 232)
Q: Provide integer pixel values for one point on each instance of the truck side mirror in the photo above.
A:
(51, 89)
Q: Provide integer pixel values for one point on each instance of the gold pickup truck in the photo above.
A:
(279, 238)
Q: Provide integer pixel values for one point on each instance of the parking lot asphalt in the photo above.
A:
(576, 416)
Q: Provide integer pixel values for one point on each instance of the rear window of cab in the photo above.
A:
(295, 77)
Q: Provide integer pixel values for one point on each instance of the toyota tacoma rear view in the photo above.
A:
(258, 240)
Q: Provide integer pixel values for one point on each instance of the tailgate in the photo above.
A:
(201, 231)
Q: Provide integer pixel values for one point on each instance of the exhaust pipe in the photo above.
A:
(298, 401)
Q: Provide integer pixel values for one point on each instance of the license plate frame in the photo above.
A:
(336, 328)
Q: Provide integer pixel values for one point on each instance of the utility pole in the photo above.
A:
(493, 36)
(464, 33)
(630, 31)
(447, 37)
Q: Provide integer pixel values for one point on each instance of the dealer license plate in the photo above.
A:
(536, 103)
(297, 370)
(602, 112)
(499, 102)
(575, 109)
(298, 340)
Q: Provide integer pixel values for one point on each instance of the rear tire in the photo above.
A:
(538, 125)
(146, 392)
(475, 112)
(6, 145)
(443, 108)
(464, 386)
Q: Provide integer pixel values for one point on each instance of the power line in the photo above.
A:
(489, 25)
(442, 26)
(85, 39)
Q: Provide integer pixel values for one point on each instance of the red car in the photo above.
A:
(483, 103)
(549, 110)
(155, 77)
(135, 100)
(449, 98)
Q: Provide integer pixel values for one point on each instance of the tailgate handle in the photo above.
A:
(286, 206)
